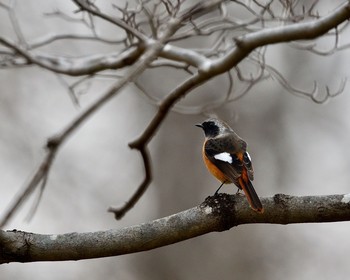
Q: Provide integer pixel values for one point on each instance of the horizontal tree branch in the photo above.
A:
(216, 213)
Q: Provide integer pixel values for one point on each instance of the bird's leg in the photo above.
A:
(239, 192)
(219, 188)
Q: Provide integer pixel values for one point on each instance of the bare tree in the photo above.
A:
(153, 33)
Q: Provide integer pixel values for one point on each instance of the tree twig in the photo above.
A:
(37, 178)
(86, 6)
(119, 212)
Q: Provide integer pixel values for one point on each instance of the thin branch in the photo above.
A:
(230, 86)
(15, 23)
(215, 214)
(152, 18)
(312, 47)
(85, 82)
(119, 212)
(50, 38)
(171, 64)
(4, 6)
(70, 89)
(340, 89)
(150, 98)
(313, 95)
(68, 18)
(37, 178)
(86, 6)
(203, 7)
(35, 205)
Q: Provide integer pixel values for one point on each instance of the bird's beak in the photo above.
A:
(199, 125)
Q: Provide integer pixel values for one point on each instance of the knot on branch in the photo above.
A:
(52, 143)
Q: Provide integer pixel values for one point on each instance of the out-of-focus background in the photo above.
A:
(298, 147)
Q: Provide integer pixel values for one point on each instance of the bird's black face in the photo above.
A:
(211, 129)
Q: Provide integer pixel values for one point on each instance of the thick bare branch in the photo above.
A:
(217, 213)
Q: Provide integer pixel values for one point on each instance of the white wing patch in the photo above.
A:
(224, 157)
(248, 155)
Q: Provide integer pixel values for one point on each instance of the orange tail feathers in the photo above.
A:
(250, 193)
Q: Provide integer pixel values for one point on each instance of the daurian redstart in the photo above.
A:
(226, 157)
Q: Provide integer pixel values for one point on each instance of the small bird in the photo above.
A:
(226, 157)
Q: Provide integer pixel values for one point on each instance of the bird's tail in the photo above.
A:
(250, 193)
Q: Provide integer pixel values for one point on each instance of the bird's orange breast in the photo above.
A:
(216, 172)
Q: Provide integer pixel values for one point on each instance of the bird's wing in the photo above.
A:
(225, 159)
(247, 162)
